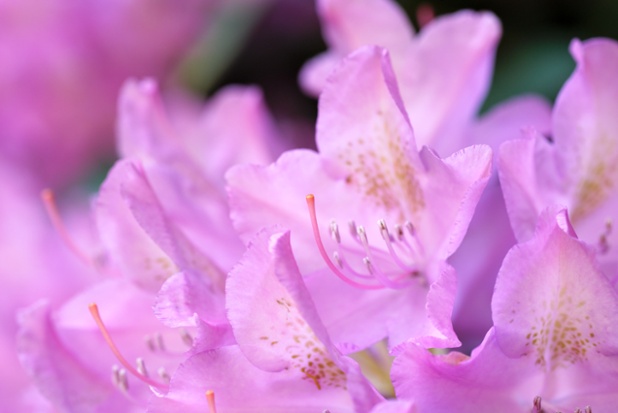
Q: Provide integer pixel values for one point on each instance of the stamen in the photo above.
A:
(210, 397)
(318, 239)
(373, 270)
(123, 381)
(342, 263)
(537, 405)
(94, 310)
(164, 374)
(417, 248)
(388, 239)
(352, 228)
(49, 200)
(383, 278)
(141, 366)
(399, 232)
(425, 14)
(150, 343)
(186, 337)
(160, 342)
(115, 375)
(334, 232)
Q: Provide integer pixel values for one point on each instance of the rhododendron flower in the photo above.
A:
(443, 73)
(552, 347)
(146, 213)
(36, 264)
(183, 156)
(284, 359)
(410, 210)
(71, 363)
(575, 166)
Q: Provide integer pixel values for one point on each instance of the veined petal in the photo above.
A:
(278, 328)
(510, 120)
(552, 302)
(455, 382)
(143, 128)
(348, 26)
(531, 179)
(364, 135)
(240, 386)
(585, 125)
(57, 374)
(446, 74)
(452, 188)
(275, 195)
(133, 251)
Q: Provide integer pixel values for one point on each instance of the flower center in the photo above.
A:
(403, 242)
(119, 375)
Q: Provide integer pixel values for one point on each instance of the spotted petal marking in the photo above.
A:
(552, 302)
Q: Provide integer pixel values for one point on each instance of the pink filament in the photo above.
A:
(94, 310)
(318, 240)
(47, 195)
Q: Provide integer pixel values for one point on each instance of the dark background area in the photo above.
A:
(533, 55)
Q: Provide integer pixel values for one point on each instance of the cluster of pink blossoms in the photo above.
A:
(424, 259)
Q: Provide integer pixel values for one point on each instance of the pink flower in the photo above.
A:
(575, 166)
(36, 264)
(411, 210)
(168, 244)
(443, 72)
(552, 344)
(284, 359)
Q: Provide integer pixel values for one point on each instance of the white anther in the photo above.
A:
(115, 375)
(123, 381)
(150, 343)
(141, 366)
(160, 343)
(410, 227)
(337, 259)
(334, 232)
(384, 230)
(163, 374)
(352, 228)
(362, 235)
(368, 264)
(186, 337)
(399, 232)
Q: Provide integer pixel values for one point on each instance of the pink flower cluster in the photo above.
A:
(424, 258)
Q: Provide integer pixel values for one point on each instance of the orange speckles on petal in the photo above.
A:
(557, 337)
(381, 169)
(599, 179)
(306, 354)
